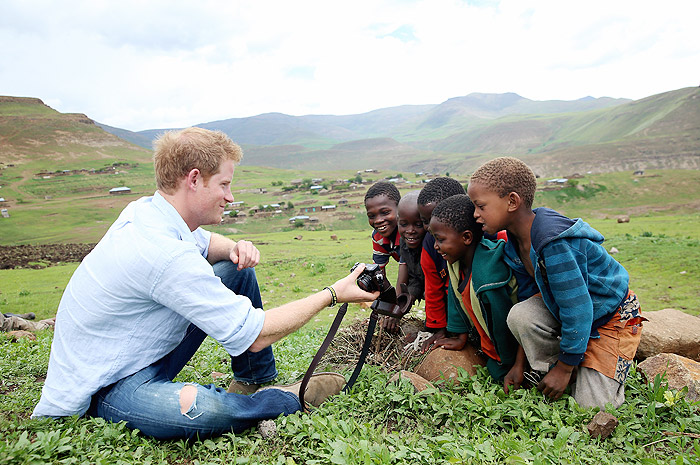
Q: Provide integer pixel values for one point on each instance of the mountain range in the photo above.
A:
(589, 134)
(553, 137)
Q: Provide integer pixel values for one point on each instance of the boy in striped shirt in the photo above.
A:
(381, 204)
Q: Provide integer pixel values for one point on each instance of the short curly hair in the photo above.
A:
(409, 198)
(176, 153)
(457, 212)
(383, 188)
(438, 189)
(504, 175)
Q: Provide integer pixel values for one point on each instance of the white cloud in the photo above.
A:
(140, 65)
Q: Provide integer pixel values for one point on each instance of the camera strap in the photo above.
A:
(388, 307)
(327, 342)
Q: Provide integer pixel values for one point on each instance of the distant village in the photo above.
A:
(337, 199)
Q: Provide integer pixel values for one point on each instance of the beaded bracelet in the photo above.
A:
(334, 297)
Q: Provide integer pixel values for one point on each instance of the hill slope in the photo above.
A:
(31, 131)
(556, 137)
(52, 162)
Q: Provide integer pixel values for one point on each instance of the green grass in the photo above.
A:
(38, 291)
(613, 194)
(473, 422)
(662, 256)
(469, 422)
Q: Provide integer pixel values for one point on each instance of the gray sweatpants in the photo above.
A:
(539, 333)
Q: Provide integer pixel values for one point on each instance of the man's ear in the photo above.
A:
(467, 237)
(194, 177)
(514, 201)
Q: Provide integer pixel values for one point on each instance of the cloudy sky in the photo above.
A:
(145, 64)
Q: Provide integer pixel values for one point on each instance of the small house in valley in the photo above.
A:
(119, 190)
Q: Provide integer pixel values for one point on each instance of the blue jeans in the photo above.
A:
(150, 401)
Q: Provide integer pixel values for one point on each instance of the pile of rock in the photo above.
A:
(671, 344)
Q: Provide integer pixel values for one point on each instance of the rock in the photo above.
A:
(442, 363)
(680, 371)
(267, 429)
(670, 331)
(602, 425)
(411, 327)
(419, 383)
(16, 335)
(334, 237)
(623, 219)
(613, 250)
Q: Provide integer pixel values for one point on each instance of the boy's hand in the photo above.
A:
(514, 378)
(555, 382)
(427, 345)
(452, 343)
(515, 375)
(389, 324)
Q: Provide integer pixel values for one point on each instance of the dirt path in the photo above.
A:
(41, 256)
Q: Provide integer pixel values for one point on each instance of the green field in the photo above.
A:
(659, 246)
(471, 422)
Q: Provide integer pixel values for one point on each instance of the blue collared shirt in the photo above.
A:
(130, 302)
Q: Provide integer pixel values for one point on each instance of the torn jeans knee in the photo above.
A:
(188, 401)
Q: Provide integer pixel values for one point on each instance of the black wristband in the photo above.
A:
(334, 297)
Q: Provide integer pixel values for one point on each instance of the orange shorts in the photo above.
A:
(611, 354)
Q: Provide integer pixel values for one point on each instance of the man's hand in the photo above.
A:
(346, 289)
(554, 383)
(245, 254)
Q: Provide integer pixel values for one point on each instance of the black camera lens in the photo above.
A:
(364, 282)
(371, 279)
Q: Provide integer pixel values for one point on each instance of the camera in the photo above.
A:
(371, 279)
(388, 303)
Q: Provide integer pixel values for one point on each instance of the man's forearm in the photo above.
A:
(219, 248)
(284, 320)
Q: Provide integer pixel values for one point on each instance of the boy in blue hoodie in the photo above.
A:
(577, 322)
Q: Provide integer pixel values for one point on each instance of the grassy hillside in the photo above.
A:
(61, 164)
(555, 137)
(36, 136)
(56, 170)
(76, 206)
(661, 131)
